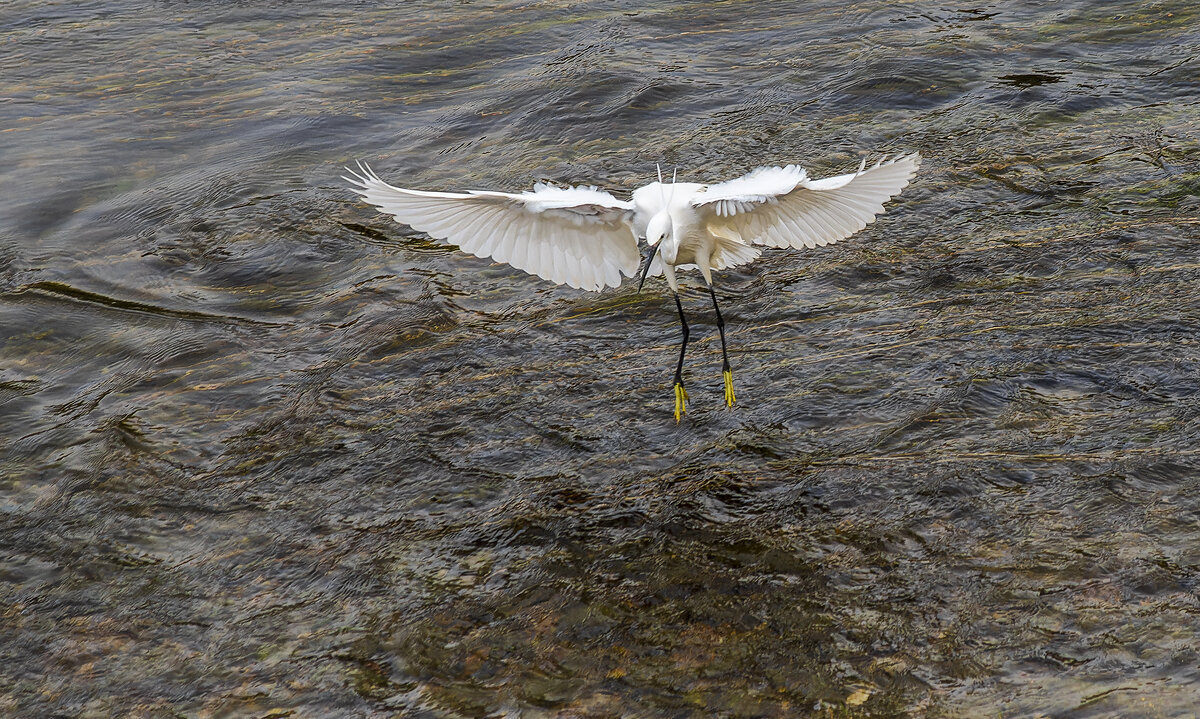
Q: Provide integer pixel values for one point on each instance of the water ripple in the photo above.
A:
(263, 451)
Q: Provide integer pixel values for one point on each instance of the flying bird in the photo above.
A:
(586, 238)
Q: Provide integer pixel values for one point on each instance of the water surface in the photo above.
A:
(265, 453)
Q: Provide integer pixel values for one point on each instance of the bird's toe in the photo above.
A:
(681, 398)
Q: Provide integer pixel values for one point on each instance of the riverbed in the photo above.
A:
(266, 453)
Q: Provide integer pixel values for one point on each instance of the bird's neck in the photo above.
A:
(681, 225)
(670, 242)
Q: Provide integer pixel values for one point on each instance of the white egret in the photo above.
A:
(586, 238)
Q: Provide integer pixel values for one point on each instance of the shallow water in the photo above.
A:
(265, 453)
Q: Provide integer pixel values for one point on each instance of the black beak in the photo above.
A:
(646, 266)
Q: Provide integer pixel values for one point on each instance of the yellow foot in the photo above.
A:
(680, 400)
(729, 396)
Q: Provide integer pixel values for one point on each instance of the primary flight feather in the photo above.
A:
(586, 238)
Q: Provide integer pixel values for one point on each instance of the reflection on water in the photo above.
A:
(265, 453)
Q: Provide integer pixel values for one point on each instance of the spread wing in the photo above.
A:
(579, 236)
(782, 207)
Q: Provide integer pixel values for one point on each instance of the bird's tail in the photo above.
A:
(731, 253)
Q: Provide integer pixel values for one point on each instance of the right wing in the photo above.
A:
(578, 236)
(782, 207)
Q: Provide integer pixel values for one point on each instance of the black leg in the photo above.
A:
(680, 392)
(682, 347)
(726, 370)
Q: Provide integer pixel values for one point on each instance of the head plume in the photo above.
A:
(665, 198)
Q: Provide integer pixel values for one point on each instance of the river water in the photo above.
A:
(266, 453)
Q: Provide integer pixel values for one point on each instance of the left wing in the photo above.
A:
(579, 236)
(782, 207)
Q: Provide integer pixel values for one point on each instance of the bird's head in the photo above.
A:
(658, 229)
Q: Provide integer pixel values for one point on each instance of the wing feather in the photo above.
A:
(500, 242)
(579, 236)
(471, 224)
(782, 207)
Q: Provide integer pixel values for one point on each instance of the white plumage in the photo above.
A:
(586, 238)
(578, 236)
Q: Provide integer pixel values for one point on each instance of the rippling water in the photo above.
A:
(265, 453)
